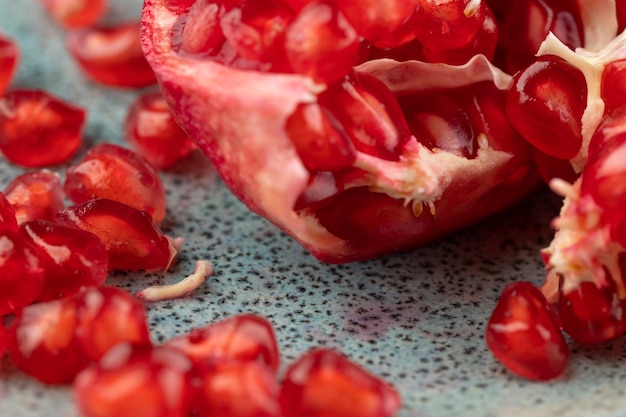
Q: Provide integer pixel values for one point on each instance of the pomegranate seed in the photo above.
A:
(35, 195)
(117, 173)
(7, 214)
(323, 383)
(75, 13)
(132, 239)
(524, 335)
(590, 314)
(546, 103)
(44, 344)
(72, 258)
(614, 84)
(244, 338)
(38, 129)
(319, 144)
(9, 60)
(201, 33)
(369, 115)
(380, 18)
(321, 44)
(111, 56)
(135, 382)
(237, 389)
(110, 316)
(152, 131)
(256, 28)
(21, 272)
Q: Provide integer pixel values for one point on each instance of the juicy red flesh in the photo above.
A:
(72, 258)
(152, 131)
(117, 173)
(590, 314)
(323, 383)
(9, 59)
(524, 335)
(21, 272)
(132, 239)
(75, 13)
(111, 56)
(614, 85)
(545, 104)
(38, 129)
(35, 195)
(242, 338)
(135, 382)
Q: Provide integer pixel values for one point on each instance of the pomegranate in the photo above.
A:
(9, 60)
(332, 160)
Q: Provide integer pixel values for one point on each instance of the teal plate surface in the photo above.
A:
(416, 318)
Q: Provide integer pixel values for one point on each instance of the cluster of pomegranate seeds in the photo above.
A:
(9, 59)
(111, 171)
(75, 13)
(153, 133)
(34, 119)
(35, 195)
(111, 55)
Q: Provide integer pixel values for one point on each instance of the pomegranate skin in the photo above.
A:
(244, 135)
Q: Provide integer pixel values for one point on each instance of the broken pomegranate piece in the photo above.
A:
(242, 338)
(75, 13)
(152, 131)
(131, 381)
(72, 258)
(111, 55)
(117, 173)
(524, 335)
(38, 129)
(21, 272)
(9, 59)
(132, 239)
(35, 195)
(324, 383)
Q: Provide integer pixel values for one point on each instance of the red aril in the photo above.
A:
(591, 315)
(320, 43)
(38, 129)
(21, 272)
(35, 195)
(132, 239)
(201, 32)
(44, 341)
(614, 84)
(75, 13)
(524, 335)
(117, 173)
(241, 338)
(135, 382)
(324, 383)
(7, 214)
(546, 103)
(152, 131)
(110, 316)
(72, 258)
(9, 60)
(111, 55)
(237, 389)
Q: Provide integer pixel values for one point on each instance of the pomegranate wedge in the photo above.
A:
(269, 127)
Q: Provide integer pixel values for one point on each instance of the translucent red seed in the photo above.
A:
(132, 239)
(38, 129)
(201, 33)
(152, 131)
(21, 272)
(117, 173)
(324, 383)
(111, 55)
(72, 258)
(75, 13)
(35, 195)
(9, 60)
(522, 333)
(545, 104)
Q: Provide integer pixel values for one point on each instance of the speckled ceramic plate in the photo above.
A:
(415, 318)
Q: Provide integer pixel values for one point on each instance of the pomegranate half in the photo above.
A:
(388, 156)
